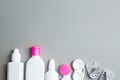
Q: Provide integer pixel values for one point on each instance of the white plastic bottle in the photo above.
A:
(51, 74)
(35, 67)
(15, 68)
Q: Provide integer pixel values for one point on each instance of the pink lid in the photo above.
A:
(65, 69)
(35, 51)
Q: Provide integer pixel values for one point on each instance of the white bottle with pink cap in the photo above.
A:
(35, 67)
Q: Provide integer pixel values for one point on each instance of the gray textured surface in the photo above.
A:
(65, 29)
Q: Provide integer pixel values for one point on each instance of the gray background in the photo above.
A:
(65, 30)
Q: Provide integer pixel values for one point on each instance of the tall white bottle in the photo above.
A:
(35, 67)
(15, 68)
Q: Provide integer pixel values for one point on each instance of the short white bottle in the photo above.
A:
(51, 74)
(35, 67)
(15, 68)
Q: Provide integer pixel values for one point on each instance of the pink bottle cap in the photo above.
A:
(65, 69)
(35, 51)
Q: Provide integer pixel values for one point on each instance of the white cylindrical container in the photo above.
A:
(35, 65)
(15, 68)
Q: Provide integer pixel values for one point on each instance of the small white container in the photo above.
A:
(15, 68)
(51, 74)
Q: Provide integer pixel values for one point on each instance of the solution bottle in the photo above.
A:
(15, 68)
(35, 67)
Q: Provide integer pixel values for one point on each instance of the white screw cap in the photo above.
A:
(16, 55)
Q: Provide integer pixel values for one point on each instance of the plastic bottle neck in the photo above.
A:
(16, 57)
(51, 66)
(36, 56)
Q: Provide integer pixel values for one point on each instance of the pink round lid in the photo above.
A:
(65, 69)
(35, 51)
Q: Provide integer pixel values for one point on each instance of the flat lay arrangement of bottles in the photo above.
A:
(35, 69)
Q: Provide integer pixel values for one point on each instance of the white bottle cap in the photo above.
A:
(16, 55)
